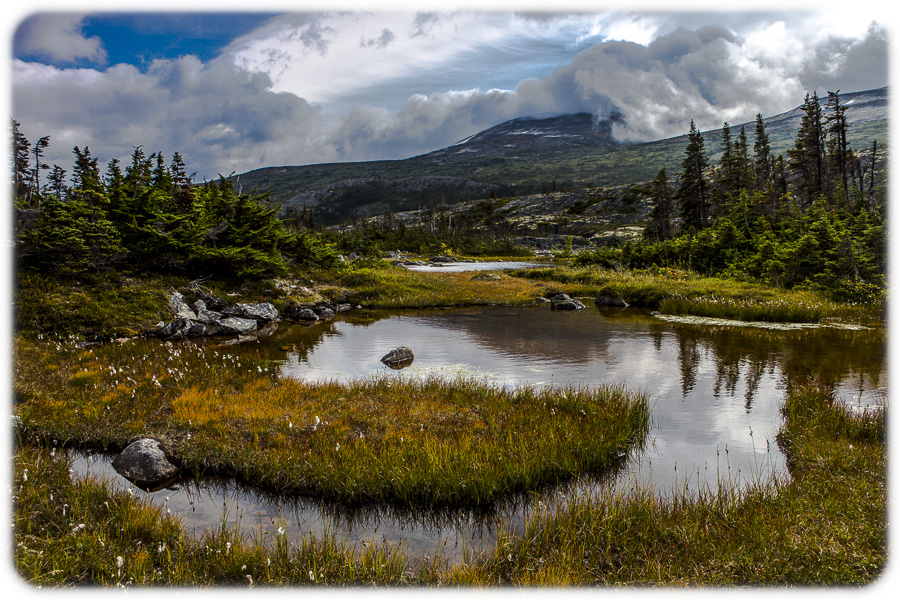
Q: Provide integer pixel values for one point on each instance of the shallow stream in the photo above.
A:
(716, 389)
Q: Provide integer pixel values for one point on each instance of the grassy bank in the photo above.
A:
(825, 526)
(679, 292)
(420, 443)
(110, 305)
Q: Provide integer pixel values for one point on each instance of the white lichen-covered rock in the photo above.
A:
(261, 311)
(144, 461)
(236, 325)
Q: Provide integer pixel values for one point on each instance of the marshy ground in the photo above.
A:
(423, 444)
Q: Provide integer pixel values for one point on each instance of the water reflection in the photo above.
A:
(206, 505)
(716, 391)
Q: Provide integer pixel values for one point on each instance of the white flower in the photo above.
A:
(120, 562)
(312, 576)
(338, 447)
(281, 531)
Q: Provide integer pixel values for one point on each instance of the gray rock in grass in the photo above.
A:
(144, 462)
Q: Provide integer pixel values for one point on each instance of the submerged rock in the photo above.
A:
(605, 300)
(398, 357)
(565, 302)
(145, 463)
(306, 314)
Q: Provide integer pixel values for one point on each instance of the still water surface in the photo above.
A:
(716, 390)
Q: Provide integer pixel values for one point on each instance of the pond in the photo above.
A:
(456, 267)
(716, 388)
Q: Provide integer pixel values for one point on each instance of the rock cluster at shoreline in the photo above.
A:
(210, 316)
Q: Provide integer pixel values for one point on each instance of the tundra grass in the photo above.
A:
(415, 443)
(826, 525)
(397, 287)
(679, 292)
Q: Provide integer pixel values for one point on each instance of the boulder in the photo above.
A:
(175, 330)
(323, 311)
(306, 314)
(197, 330)
(606, 300)
(209, 316)
(442, 259)
(211, 302)
(398, 357)
(236, 325)
(565, 302)
(261, 311)
(144, 462)
(179, 308)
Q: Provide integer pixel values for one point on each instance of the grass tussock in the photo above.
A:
(680, 292)
(420, 443)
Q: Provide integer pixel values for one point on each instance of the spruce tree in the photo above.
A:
(20, 161)
(763, 163)
(693, 191)
(807, 157)
(660, 226)
(839, 152)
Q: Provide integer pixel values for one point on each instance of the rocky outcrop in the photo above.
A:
(398, 357)
(241, 319)
(565, 302)
(145, 463)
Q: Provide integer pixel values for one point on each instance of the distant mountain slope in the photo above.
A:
(528, 135)
(522, 156)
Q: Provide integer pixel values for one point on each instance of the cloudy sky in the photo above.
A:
(235, 91)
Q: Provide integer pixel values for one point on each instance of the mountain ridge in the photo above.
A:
(520, 156)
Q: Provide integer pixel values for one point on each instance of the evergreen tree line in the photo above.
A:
(147, 216)
(813, 218)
